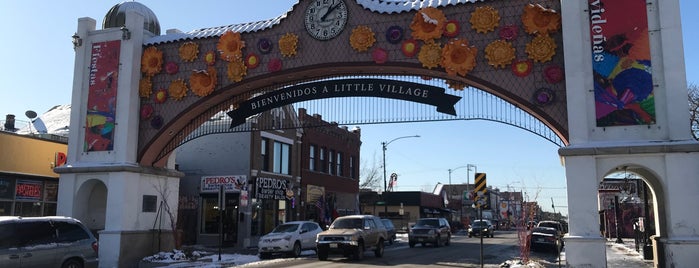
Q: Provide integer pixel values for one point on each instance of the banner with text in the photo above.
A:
(273, 189)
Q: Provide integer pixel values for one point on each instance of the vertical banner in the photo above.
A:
(102, 96)
(621, 63)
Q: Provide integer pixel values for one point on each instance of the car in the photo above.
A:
(481, 228)
(51, 241)
(430, 230)
(351, 236)
(289, 238)
(546, 238)
(390, 229)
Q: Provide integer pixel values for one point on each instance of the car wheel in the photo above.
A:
(322, 254)
(437, 242)
(296, 252)
(448, 242)
(492, 235)
(470, 235)
(359, 252)
(411, 244)
(379, 249)
(72, 263)
(390, 240)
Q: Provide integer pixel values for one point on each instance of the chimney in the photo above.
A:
(10, 122)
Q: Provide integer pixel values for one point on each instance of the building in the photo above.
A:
(329, 169)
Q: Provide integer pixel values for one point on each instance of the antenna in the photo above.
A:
(31, 115)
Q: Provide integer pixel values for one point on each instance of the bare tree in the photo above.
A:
(370, 175)
(694, 109)
(164, 192)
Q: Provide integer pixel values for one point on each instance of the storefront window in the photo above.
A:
(28, 209)
(210, 215)
(7, 188)
(5, 208)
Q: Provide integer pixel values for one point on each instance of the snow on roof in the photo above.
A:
(380, 6)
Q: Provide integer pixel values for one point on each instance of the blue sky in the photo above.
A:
(37, 73)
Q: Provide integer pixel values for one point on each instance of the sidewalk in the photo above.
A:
(625, 255)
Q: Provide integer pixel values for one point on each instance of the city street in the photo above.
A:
(463, 252)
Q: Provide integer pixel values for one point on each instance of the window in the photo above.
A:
(282, 154)
(331, 164)
(338, 161)
(149, 203)
(312, 158)
(264, 155)
(323, 165)
(351, 167)
(70, 232)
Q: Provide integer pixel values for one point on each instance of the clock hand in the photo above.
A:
(330, 10)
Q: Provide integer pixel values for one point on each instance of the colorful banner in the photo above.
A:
(102, 96)
(28, 190)
(621, 63)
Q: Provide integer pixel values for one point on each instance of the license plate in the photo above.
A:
(540, 240)
(420, 239)
(333, 245)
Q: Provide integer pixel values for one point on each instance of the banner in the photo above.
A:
(621, 63)
(102, 96)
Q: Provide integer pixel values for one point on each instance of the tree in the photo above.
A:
(371, 176)
(694, 109)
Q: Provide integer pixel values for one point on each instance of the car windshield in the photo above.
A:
(348, 224)
(549, 224)
(427, 223)
(480, 224)
(286, 228)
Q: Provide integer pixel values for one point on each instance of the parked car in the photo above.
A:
(390, 229)
(546, 238)
(430, 230)
(53, 241)
(481, 227)
(351, 236)
(289, 238)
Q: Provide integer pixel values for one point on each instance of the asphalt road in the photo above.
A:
(463, 252)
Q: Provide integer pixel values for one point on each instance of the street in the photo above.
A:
(463, 252)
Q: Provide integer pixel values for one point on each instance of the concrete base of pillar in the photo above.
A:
(675, 252)
(580, 249)
(132, 246)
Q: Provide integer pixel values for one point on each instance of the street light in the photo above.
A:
(468, 178)
(384, 145)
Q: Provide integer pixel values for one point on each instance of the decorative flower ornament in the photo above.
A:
(252, 61)
(264, 45)
(499, 53)
(146, 111)
(178, 89)
(537, 19)
(452, 28)
(237, 70)
(230, 45)
(541, 48)
(430, 55)
(456, 85)
(274, 65)
(379, 55)
(394, 34)
(553, 74)
(210, 58)
(509, 32)
(521, 68)
(156, 122)
(160, 96)
(145, 87)
(409, 48)
(362, 38)
(287, 44)
(189, 51)
(485, 19)
(203, 82)
(428, 24)
(172, 68)
(458, 57)
(543, 96)
(151, 61)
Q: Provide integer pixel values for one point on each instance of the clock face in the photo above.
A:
(325, 19)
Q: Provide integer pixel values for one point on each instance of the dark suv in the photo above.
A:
(481, 227)
(430, 230)
(46, 242)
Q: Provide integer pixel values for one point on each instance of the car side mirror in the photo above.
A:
(303, 231)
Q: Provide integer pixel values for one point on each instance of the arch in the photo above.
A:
(91, 204)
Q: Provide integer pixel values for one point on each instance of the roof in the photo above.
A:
(379, 6)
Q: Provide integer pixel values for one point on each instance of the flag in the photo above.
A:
(321, 209)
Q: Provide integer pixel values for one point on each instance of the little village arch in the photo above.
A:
(611, 89)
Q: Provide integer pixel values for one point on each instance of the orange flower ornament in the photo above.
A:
(288, 44)
(537, 19)
(458, 57)
(362, 38)
(500, 53)
(428, 24)
(541, 48)
(230, 45)
(430, 55)
(151, 61)
(203, 82)
(178, 89)
(485, 19)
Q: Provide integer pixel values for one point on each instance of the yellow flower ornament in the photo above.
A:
(362, 38)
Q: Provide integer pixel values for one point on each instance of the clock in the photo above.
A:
(325, 19)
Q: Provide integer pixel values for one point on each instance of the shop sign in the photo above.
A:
(28, 190)
(313, 192)
(60, 159)
(243, 198)
(231, 183)
(276, 189)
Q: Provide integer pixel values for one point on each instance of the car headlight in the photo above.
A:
(287, 237)
(485, 230)
(431, 232)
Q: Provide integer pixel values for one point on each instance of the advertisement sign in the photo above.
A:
(621, 63)
(231, 183)
(28, 190)
(102, 96)
(275, 189)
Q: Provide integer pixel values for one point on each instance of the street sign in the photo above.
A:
(480, 185)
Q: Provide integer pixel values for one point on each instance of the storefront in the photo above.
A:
(275, 202)
(28, 197)
(229, 209)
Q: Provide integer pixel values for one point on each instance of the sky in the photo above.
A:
(512, 158)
